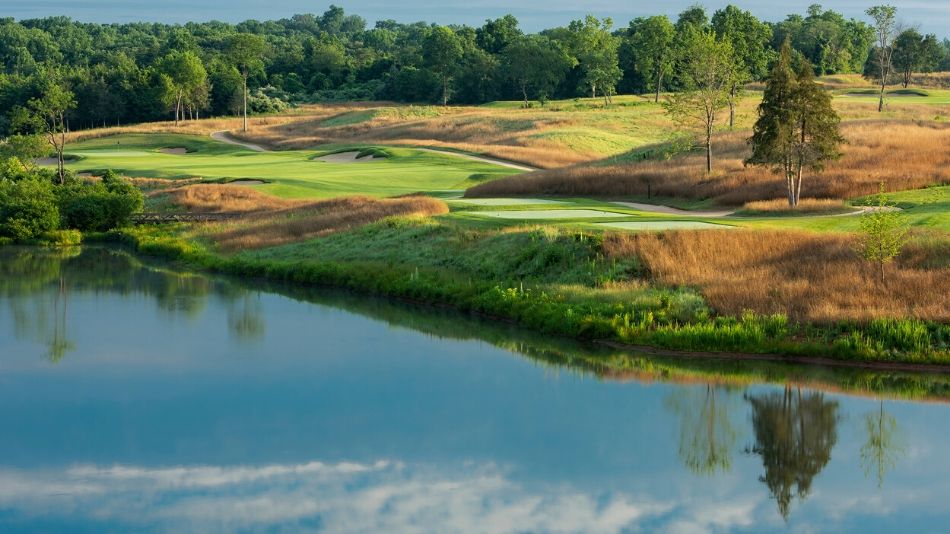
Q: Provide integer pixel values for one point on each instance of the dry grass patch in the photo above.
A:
(905, 155)
(224, 198)
(807, 276)
(270, 221)
(807, 206)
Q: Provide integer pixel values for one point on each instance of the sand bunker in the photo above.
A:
(46, 161)
(550, 214)
(246, 182)
(664, 225)
(177, 151)
(346, 157)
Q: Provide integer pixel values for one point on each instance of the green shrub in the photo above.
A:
(98, 207)
(28, 209)
(62, 238)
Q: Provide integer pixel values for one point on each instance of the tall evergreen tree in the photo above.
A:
(797, 127)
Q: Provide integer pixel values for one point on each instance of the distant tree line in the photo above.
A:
(126, 73)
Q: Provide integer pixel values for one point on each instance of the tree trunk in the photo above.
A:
(659, 80)
(245, 102)
(880, 104)
(524, 92)
(445, 90)
(709, 147)
(798, 189)
(732, 106)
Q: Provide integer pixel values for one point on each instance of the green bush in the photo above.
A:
(28, 209)
(98, 207)
(62, 238)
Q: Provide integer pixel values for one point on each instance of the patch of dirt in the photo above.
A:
(176, 151)
(346, 157)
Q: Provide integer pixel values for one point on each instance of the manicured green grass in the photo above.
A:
(550, 214)
(290, 174)
(900, 96)
(662, 225)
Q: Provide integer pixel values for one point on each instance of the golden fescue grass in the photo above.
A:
(318, 219)
(805, 206)
(223, 198)
(269, 221)
(904, 155)
(807, 276)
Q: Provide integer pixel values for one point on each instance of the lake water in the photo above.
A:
(136, 397)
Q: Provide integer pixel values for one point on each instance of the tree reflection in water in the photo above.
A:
(707, 433)
(882, 448)
(794, 435)
(37, 283)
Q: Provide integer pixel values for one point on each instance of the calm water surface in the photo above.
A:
(135, 397)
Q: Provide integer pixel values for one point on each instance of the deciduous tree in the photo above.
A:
(885, 28)
(46, 115)
(749, 39)
(245, 51)
(706, 70)
(883, 233)
(442, 50)
(536, 65)
(652, 40)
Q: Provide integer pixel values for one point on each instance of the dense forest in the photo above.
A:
(126, 73)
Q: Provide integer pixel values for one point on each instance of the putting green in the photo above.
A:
(290, 173)
(549, 214)
(663, 225)
(506, 201)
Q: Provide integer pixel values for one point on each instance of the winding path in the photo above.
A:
(225, 137)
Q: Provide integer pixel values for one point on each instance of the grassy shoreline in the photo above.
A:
(654, 320)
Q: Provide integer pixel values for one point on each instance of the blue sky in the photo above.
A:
(931, 16)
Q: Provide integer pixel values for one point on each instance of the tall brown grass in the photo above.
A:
(808, 276)
(224, 198)
(269, 221)
(904, 155)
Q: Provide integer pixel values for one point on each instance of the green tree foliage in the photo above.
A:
(536, 65)
(442, 50)
(794, 435)
(914, 52)
(28, 208)
(46, 113)
(885, 27)
(797, 127)
(883, 233)
(749, 39)
(185, 80)
(496, 35)
(594, 47)
(115, 70)
(25, 149)
(652, 41)
(245, 51)
(707, 70)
